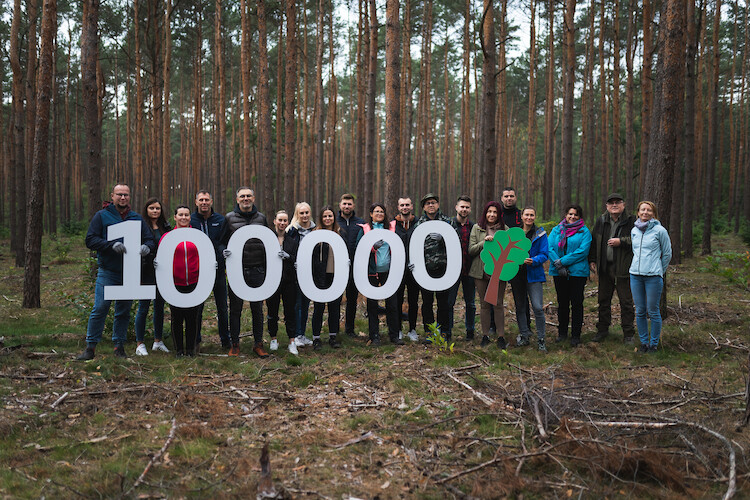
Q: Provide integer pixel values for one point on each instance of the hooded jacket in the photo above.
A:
(575, 254)
(96, 237)
(349, 231)
(652, 250)
(254, 253)
(623, 255)
(214, 228)
(539, 253)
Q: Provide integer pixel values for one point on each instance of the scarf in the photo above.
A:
(567, 230)
(642, 225)
(492, 229)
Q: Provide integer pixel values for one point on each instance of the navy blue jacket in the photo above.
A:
(213, 227)
(349, 231)
(96, 237)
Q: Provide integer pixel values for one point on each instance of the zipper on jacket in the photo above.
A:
(186, 262)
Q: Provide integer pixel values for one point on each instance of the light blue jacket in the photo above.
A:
(652, 250)
(576, 256)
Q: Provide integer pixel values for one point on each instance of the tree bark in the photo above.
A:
(372, 72)
(646, 91)
(89, 56)
(549, 132)
(245, 65)
(566, 169)
(166, 119)
(290, 91)
(688, 199)
(18, 182)
(392, 103)
(630, 99)
(33, 245)
(221, 105)
(319, 113)
(531, 147)
(264, 116)
(487, 127)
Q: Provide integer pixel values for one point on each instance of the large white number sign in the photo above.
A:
(274, 264)
(164, 271)
(452, 247)
(362, 260)
(131, 288)
(341, 266)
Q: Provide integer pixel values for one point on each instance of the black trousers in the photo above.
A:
(412, 291)
(352, 294)
(288, 293)
(189, 317)
(443, 309)
(392, 312)
(570, 296)
(254, 276)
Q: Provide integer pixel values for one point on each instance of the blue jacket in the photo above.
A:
(214, 228)
(575, 255)
(96, 237)
(380, 258)
(539, 253)
(652, 250)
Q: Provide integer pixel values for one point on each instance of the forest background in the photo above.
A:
(566, 101)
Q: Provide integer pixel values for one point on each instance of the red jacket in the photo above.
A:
(186, 264)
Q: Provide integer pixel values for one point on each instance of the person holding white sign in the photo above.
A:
(323, 266)
(302, 222)
(110, 257)
(378, 268)
(253, 267)
(185, 270)
(436, 261)
(287, 291)
(153, 214)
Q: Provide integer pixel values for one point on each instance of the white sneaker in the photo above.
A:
(141, 350)
(293, 347)
(401, 335)
(302, 341)
(413, 336)
(274, 345)
(159, 346)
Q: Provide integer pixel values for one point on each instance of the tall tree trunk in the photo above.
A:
(157, 92)
(502, 168)
(616, 127)
(167, 119)
(372, 72)
(89, 56)
(280, 145)
(646, 90)
(531, 148)
(331, 175)
(32, 10)
(489, 151)
(688, 195)
(587, 117)
(549, 132)
(18, 182)
(712, 135)
(392, 102)
(319, 113)
(138, 108)
(566, 170)
(290, 165)
(732, 205)
(264, 116)
(245, 65)
(198, 136)
(221, 106)
(32, 270)
(604, 142)
(630, 99)
(362, 54)
(466, 163)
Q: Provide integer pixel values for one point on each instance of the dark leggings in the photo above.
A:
(288, 293)
(570, 296)
(392, 313)
(190, 317)
(334, 313)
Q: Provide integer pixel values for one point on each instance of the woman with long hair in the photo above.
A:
(185, 269)
(322, 271)
(484, 231)
(378, 268)
(287, 291)
(652, 251)
(153, 214)
(569, 244)
(302, 222)
(534, 264)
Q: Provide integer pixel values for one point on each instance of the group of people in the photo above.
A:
(629, 254)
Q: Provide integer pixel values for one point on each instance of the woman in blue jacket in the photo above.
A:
(538, 255)
(652, 251)
(569, 244)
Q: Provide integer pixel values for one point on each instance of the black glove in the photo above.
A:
(145, 250)
(378, 244)
(558, 264)
(410, 267)
(563, 271)
(283, 255)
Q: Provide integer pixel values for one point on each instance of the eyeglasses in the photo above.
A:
(122, 195)
(616, 202)
(243, 196)
(431, 202)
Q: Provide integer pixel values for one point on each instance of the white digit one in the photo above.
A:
(164, 271)
(341, 266)
(274, 264)
(453, 250)
(362, 259)
(131, 288)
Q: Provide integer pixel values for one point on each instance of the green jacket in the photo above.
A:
(623, 255)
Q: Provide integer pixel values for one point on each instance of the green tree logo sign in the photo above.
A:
(503, 257)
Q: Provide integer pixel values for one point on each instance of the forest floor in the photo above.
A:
(598, 421)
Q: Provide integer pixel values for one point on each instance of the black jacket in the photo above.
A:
(320, 263)
(148, 273)
(623, 255)
(512, 216)
(290, 246)
(213, 227)
(254, 253)
(349, 231)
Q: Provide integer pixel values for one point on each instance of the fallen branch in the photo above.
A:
(60, 400)
(364, 437)
(481, 397)
(155, 458)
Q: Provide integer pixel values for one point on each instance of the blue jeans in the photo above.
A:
(646, 296)
(471, 309)
(140, 318)
(101, 309)
(535, 292)
(302, 308)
